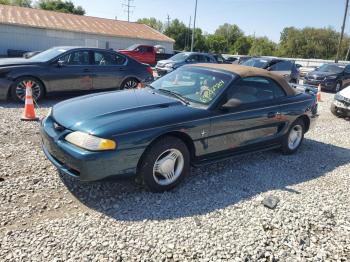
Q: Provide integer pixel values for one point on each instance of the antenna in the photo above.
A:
(127, 5)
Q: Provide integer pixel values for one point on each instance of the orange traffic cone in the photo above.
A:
(319, 93)
(29, 113)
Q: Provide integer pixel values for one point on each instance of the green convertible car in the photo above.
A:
(193, 116)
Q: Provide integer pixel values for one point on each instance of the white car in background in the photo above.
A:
(341, 103)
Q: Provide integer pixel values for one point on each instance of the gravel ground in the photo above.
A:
(215, 215)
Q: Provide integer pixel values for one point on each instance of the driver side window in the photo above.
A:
(256, 89)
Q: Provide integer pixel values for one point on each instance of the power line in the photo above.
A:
(127, 5)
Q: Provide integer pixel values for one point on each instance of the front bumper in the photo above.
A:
(161, 71)
(82, 164)
(340, 107)
(326, 84)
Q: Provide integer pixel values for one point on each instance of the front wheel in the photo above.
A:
(18, 89)
(292, 141)
(129, 83)
(165, 164)
(338, 87)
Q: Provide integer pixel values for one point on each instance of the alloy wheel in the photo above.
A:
(295, 137)
(21, 89)
(337, 87)
(168, 167)
(130, 84)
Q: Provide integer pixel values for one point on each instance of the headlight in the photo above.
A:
(330, 77)
(169, 65)
(339, 97)
(90, 142)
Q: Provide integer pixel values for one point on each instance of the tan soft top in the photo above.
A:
(247, 71)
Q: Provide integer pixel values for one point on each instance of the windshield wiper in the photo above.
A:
(174, 94)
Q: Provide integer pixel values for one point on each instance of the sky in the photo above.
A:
(262, 17)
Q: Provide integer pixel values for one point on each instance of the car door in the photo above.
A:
(255, 121)
(346, 76)
(71, 72)
(109, 69)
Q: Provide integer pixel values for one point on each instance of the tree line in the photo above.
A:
(53, 5)
(307, 42)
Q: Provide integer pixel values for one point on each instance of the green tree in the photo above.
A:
(262, 46)
(200, 43)
(178, 31)
(242, 45)
(216, 43)
(231, 33)
(23, 3)
(61, 6)
(152, 22)
(311, 42)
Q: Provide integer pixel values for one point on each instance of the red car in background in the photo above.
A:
(146, 53)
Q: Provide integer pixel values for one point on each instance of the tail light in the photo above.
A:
(150, 70)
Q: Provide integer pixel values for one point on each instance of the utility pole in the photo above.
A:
(342, 31)
(168, 19)
(194, 25)
(188, 36)
(128, 7)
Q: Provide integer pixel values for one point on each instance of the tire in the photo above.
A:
(288, 147)
(18, 89)
(130, 83)
(165, 164)
(335, 111)
(338, 87)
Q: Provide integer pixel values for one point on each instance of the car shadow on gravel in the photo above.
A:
(213, 187)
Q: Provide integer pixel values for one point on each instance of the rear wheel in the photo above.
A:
(129, 83)
(292, 141)
(18, 89)
(165, 164)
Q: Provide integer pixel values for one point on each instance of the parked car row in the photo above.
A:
(71, 69)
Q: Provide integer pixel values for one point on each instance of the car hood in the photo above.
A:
(15, 61)
(321, 74)
(111, 113)
(345, 92)
(164, 62)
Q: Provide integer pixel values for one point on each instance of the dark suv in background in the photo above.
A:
(285, 68)
(165, 66)
(333, 77)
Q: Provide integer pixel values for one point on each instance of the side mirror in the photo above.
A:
(232, 103)
(60, 63)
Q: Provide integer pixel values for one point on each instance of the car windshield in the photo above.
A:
(133, 47)
(48, 54)
(256, 62)
(180, 57)
(193, 84)
(331, 68)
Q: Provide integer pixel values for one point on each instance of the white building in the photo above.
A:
(36, 30)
